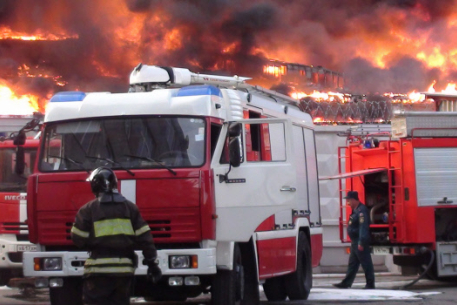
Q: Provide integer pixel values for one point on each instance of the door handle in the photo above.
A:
(288, 189)
(445, 200)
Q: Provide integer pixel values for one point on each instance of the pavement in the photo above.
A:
(387, 292)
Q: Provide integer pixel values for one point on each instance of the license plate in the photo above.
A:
(27, 248)
(381, 250)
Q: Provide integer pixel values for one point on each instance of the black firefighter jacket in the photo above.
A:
(111, 228)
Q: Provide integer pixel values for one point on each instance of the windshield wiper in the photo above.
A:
(112, 162)
(79, 164)
(152, 160)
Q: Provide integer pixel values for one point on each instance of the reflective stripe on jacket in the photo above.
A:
(111, 228)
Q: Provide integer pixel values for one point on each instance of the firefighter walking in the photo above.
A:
(359, 232)
(110, 227)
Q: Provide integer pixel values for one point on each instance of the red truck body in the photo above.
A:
(14, 239)
(407, 179)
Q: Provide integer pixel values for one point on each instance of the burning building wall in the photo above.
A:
(303, 77)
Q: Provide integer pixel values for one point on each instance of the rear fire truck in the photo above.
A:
(408, 180)
(225, 174)
(17, 156)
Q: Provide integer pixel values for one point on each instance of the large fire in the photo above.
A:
(391, 46)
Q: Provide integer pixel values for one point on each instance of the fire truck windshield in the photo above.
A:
(9, 180)
(124, 143)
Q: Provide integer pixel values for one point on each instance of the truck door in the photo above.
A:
(257, 189)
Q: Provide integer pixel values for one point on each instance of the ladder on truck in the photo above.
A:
(396, 221)
(395, 225)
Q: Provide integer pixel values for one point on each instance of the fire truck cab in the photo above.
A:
(224, 173)
(407, 178)
(17, 157)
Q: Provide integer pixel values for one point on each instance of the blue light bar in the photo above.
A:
(68, 96)
(199, 90)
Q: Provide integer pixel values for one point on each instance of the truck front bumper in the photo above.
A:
(73, 263)
(11, 251)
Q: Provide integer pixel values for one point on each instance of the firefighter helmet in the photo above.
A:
(102, 180)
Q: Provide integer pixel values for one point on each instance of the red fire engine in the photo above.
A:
(408, 180)
(17, 156)
(225, 174)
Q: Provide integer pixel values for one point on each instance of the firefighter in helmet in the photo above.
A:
(111, 227)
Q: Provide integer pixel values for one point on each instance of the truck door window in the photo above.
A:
(9, 180)
(215, 133)
(268, 142)
(225, 157)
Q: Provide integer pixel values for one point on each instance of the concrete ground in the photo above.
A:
(387, 292)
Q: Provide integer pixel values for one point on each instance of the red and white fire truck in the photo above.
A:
(13, 180)
(408, 180)
(225, 174)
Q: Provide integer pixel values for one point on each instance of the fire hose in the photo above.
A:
(423, 250)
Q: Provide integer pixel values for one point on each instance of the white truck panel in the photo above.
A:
(206, 262)
(436, 176)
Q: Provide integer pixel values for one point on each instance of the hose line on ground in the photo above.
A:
(432, 259)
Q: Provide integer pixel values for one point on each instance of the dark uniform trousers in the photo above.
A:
(107, 290)
(357, 258)
(359, 232)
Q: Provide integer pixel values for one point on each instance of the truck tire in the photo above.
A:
(275, 289)
(71, 293)
(229, 286)
(251, 294)
(5, 276)
(299, 284)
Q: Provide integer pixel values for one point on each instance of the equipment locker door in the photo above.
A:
(258, 189)
(436, 176)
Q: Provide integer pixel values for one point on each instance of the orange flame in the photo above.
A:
(450, 88)
(12, 104)
(25, 70)
(431, 89)
(7, 33)
(274, 70)
(322, 96)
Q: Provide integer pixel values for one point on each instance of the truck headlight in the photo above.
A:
(52, 264)
(179, 261)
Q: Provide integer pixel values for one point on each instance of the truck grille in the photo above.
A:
(167, 226)
(172, 225)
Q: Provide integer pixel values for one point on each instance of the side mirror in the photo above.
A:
(19, 167)
(235, 129)
(235, 152)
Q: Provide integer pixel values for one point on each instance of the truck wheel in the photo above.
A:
(275, 289)
(298, 284)
(251, 294)
(5, 276)
(233, 287)
(71, 293)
